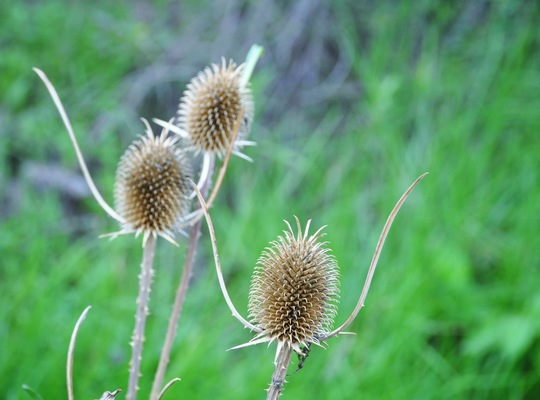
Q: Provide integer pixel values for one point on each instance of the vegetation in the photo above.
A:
(353, 101)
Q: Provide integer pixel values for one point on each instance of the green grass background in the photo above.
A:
(354, 100)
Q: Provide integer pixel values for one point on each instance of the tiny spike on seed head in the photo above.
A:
(152, 186)
(294, 289)
(210, 106)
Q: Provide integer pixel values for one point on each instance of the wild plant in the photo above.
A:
(294, 292)
(295, 285)
(152, 191)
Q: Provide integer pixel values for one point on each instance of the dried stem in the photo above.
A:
(166, 387)
(219, 271)
(225, 164)
(375, 259)
(283, 358)
(180, 296)
(58, 103)
(71, 352)
(145, 282)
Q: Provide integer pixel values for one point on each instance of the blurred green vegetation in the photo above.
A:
(354, 100)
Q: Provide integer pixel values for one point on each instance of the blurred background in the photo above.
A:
(354, 100)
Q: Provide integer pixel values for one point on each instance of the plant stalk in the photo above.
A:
(180, 296)
(278, 377)
(145, 282)
(253, 56)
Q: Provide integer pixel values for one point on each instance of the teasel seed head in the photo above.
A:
(210, 106)
(294, 289)
(152, 188)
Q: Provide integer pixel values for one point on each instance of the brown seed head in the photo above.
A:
(152, 187)
(210, 106)
(294, 289)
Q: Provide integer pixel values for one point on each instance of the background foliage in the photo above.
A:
(354, 100)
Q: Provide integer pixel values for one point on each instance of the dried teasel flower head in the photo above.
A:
(152, 188)
(294, 289)
(210, 106)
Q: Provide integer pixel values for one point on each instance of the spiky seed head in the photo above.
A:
(152, 186)
(294, 289)
(210, 106)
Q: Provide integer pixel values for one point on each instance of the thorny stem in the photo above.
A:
(180, 296)
(71, 352)
(58, 103)
(375, 259)
(278, 377)
(145, 281)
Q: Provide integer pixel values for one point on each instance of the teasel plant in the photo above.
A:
(294, 292)
(151, 190)
(152, 196)
(214, 117)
